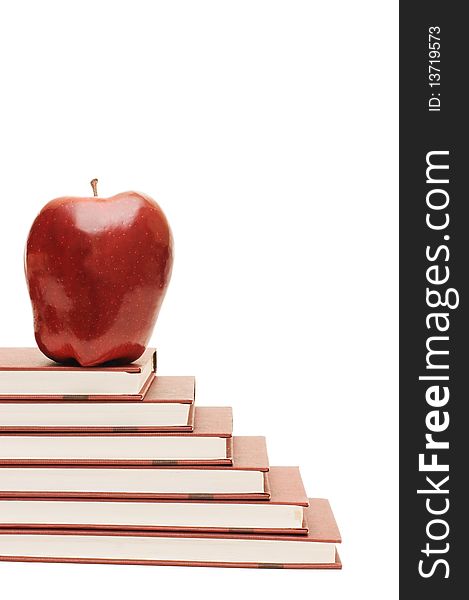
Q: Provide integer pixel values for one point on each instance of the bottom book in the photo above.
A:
(315, 550)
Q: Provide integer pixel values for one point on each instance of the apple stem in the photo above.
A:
(94, 185)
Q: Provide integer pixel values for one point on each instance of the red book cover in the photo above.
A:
(126, 448)
(16, 416)
(28, 361)
(92, 546)
(249, 455)
(286, 488)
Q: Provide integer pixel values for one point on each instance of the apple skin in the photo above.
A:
(97, 271)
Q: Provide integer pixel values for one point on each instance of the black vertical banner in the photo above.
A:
(434, 273)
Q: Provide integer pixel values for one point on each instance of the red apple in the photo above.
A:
(97, 271)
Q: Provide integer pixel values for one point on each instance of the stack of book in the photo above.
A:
(117, 465)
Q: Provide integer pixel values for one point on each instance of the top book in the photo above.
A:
(25, 373)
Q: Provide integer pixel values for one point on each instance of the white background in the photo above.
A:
(267, 131)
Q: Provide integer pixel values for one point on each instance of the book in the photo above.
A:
(208, 443)
(317, 549)
(167, 406)
(283, 513)
(244, 479)
(25, 373)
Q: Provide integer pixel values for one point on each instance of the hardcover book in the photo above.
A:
(317, 549)
(283, 513)
(167, 406)
(244, 479)
(209, 443)
(25, 373)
